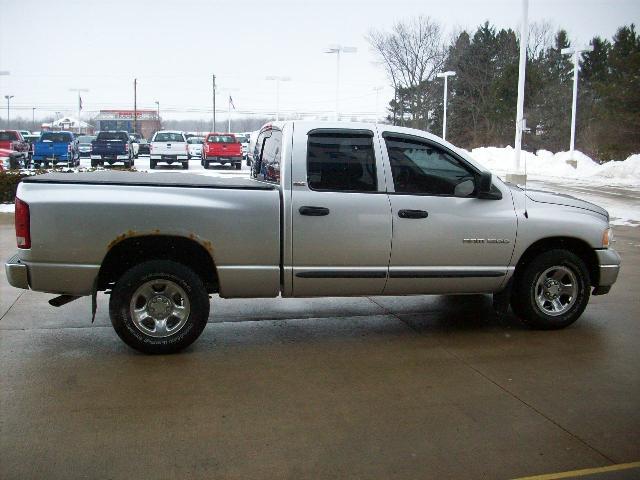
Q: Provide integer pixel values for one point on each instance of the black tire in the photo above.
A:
(160, 270)
(94, 163)
(185, 165)
(238, 166)
(152, 164)
(526, 289)
(205, 164)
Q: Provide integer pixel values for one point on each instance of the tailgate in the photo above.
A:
(225, 149)
(109, 147)
(168, 148)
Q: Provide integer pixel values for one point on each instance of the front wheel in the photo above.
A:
(159, 307)
(552, 291)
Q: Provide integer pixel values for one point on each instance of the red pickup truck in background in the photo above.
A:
(12, 140)
(222, 148)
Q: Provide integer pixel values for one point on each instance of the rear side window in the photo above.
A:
(168, 137)
(111, 136)
(267, 167)
(341, 162)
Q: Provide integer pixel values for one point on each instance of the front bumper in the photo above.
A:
(608, 269)
(17, 273)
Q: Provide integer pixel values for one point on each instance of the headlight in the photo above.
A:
(607, 237)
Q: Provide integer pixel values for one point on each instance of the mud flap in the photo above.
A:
(502, 299)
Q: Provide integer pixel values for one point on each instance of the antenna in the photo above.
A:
(525, 129)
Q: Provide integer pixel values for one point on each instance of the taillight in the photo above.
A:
(23, 224)
(69, 148)
(126, 147)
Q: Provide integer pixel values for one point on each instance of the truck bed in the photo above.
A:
(183, 180)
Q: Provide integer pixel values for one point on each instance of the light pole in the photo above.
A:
(8, 97)
(78, 91)
(518, 177)
(446, 76)
(377, 90)
(33, 117)
(157, 102)
(337, 49)
(278, 79)
(576, 66)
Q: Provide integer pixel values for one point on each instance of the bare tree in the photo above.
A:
(411, 53)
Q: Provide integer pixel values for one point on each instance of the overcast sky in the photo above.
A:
(173, 47)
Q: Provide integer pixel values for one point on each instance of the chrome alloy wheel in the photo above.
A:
(556, 290)
(159, 308)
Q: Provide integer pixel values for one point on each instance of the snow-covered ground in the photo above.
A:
(614, 185)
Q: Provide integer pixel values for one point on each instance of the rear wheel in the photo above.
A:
(185, 165)
(205, 164)
(159, 307)
(94, 163)
(152, 164)
(552, 291)
(238, 166)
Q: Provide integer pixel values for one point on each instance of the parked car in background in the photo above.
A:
(9, 159)
(253, 136)
(243, 138)
(13, 140)
(194, 147)
(143, 147)
(169, 146)
(24, 133)
(221, 148)
(84, 145)
(112, 147)
(55, 148)
(135, 144)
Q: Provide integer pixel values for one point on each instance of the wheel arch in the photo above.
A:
(131, 251)
(575, 245)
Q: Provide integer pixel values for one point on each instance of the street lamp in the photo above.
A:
(278, 79)
(157, 102)
(33, 117)
(576, 66)
(445, 75)
(78, 90)
(8, 97)
(337, 49)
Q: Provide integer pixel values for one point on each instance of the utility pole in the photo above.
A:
(8, 97)
(33, 118)
(445, 75)
(518, 177)
(574, 104)
(135, 105)
(158, 115)
(213, 125)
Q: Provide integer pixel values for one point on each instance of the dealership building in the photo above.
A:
(147, 121)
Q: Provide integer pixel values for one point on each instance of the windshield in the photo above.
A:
(86, 138)
(57, 137)
(168, 137)
(195, 140)
(113, 136)
(221, 139)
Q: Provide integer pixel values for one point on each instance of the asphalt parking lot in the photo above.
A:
(399, 387)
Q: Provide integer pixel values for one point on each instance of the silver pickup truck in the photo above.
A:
(332, 209)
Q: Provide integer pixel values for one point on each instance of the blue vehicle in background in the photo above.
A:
(56, 147)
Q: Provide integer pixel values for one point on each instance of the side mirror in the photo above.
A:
(485, 187)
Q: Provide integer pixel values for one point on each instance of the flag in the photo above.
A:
(231, 102)
(79, 102)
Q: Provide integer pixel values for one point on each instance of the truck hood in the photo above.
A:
(541, 196)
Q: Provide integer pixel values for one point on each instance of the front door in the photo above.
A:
(445, 238)
(341, 216)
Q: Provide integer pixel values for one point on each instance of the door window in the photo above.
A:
(425, 169)
(341, 162)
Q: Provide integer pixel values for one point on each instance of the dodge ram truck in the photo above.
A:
(331, 209)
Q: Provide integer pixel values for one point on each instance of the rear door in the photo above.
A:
(340, 213)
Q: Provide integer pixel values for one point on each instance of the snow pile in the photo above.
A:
(545, 164)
